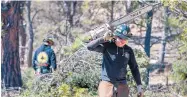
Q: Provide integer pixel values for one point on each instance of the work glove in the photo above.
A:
(108, 36)
(51, 69)
(140, 91)
(37, 72)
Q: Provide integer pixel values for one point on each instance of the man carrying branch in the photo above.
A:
(116, 56)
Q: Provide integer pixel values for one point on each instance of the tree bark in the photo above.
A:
(148, 33)
(163, 41)
(23, 37)
(112, 13)
(128, 6)
(11, 72)
(29, 30)
(69, 9)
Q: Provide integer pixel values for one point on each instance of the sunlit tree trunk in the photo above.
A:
(23, 36)
(163, 41)
(29, 30)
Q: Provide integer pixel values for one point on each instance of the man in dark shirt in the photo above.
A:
(116, 56)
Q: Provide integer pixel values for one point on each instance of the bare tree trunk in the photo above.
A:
(29, 30)
(112, 10)
(128, 6)
(23, 37)
(112, 13)
(72, 12)
(163, 41)
(11, 72)
(69, 7)
(147, 42)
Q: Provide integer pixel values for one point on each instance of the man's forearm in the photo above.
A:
(136, 75)
(134, 68)
(94, 45)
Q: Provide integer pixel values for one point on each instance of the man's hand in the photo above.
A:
(37, 73)
(108, 36)
(140, 94)
(140, 91)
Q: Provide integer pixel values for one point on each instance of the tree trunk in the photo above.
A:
(11, 72)
(29, 30)
(23, 37)
(70, 9)
(112, 13)
(148, 33)
(163, 41)
(128, 6)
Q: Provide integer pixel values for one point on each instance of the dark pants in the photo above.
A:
(107, 89)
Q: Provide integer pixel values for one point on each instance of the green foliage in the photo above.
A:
(181, 88)
(78, 92)
(178, 21)
(86, 79)
(143, 63)
(141, 58)
(26, 76)
(169, 3)
(74, 47)
(87, 22)
(77, 44)
(173, 3)
(157, 94)
(46, 89)
(67, 50)
(85, 6)
(134, 5)
(64, 89)
(180, 70)
(179, 67)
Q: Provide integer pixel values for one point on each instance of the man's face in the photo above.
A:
(120, 42)
(51, 43)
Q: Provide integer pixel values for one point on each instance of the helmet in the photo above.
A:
(49, 40)
(122, 31)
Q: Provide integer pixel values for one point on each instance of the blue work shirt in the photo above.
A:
(51, 62)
